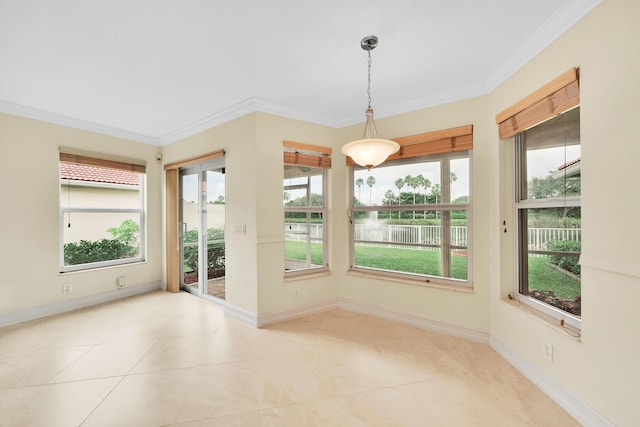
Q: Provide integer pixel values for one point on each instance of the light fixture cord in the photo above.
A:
(369, 79)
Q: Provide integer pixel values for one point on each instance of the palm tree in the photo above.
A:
(389, 198)
(424, 183)
(435, 192)
(370, 182)
(399, 183)
(413, 182)
(359, 183)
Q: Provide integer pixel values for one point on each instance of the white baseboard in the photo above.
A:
(571, 403)
(294, 313)
(416, 320)
(237, 313)
(75, 303)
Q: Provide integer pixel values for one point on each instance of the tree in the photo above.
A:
(220, 200)
(414, 182)
(426, 184)
(359, 183)
(370, 182)
(399, 184)
(435, 193)
(286, 197)
(389, 198)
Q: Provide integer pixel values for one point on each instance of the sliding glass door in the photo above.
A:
(202, 220)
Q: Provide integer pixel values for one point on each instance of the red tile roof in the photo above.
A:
(566, 165)
(75, 172)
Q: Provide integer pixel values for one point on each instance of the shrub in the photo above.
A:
(127, 233)
(123, 245)
(215, 251)
(86, 251)
(569, 263)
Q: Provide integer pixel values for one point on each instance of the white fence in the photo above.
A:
(425, 234)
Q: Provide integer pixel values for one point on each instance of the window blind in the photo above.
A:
(194, 160)
(556, 97)
(436, 142)
(301, 154)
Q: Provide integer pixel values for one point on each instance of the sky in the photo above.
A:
(386, 176)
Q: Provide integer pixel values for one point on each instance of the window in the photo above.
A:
(101, 212)
(548, 210)
(546, 130)
(304, 202)
(411, 216)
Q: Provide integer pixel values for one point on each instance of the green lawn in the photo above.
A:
(541, 276)
(298, 250)
(409, 260)
(395, 259)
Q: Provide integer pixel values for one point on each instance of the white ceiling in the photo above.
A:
(158, 70)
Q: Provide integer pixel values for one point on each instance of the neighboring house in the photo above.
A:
(569, 170)
(95, 187)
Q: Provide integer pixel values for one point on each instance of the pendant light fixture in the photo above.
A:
(370, 151)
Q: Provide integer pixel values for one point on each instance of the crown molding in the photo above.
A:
(554, 27)
(62, 120)
(242, 108)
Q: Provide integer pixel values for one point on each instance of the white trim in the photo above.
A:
(76, 303)
(553, 28)
(618, 266)
(571, 403)
(237, 313)
(232, 112)
(423, 322)
(294, 313)
(62, 120)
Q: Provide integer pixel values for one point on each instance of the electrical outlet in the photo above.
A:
(122, 282)
(66, 288)
(548, 351)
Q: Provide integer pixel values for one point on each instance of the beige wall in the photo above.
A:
(470, 310)
(238, 139)
(602, 367)
(30, 232)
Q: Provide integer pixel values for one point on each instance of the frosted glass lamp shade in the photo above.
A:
(370, 152)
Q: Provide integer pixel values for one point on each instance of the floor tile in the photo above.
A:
(223, 389)
(519, 393)
(163, 359)
(37, 367)
(63, 405)
(105, 360)
(444, 402)
(142, 400)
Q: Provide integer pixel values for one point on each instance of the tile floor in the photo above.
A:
(164, 359)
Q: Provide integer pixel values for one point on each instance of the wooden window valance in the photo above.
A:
(104, 163)
(301, 154)
(554, 98)
(194, 160)
(429, 143)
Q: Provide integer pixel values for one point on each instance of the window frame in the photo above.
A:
(522, 204)
(416, 278)
(141, 211)
(315, 157)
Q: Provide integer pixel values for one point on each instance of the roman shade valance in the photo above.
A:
(99, 162)
(194, 160)
(429, 143)
(556, 97)
(301, 154)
